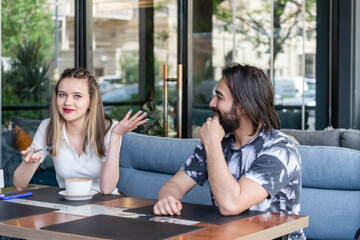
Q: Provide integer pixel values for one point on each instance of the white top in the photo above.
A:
(67, 163)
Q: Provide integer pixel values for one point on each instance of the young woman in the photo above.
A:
(86, 142)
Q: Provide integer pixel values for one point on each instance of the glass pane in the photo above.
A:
(220, 39)
(240, 31)
(252, 33)
(310, 60)
(118, 33)
(204, 67)
(29, 67)
(291, 45)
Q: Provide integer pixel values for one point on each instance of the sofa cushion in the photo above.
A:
(28, 125)
(333, 214)
(330, 167)
(316, 138)
(350, 139)
(22, 139)
(147, 184)
(167, 154)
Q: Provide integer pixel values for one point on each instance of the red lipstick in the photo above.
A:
(68, 110)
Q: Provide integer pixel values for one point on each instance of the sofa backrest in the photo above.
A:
(331, 191)
(350, 139)
(147, 162)
(316, 138)
(346, 138)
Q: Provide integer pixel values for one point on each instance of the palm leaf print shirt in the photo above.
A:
(270, 159)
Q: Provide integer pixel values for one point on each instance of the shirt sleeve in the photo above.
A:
(39, 138)
(195, 166)
(275, 168)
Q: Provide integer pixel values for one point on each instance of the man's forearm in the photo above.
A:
(224, 187)
(171, 189)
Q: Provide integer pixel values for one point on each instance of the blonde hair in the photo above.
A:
(97, 122)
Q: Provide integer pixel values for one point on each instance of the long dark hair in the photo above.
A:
(252, 89)
(97, 123)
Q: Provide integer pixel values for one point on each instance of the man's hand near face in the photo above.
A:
(211, 132)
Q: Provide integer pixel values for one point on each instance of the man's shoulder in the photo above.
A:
(276, 137)
(279, 144)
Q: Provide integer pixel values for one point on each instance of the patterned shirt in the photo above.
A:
(270, 159)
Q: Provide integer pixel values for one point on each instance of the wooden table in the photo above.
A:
(265, 226)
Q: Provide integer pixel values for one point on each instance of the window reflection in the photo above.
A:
(247, 38)
(117, 29)
(28, 60)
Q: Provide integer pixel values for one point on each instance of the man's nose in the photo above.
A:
(212, 103)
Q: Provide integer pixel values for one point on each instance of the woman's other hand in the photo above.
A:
(130, 123)
(29, 156)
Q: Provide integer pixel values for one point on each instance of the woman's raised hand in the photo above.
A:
(29, 156)
(130, 123)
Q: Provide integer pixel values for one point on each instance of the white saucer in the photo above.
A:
(77, 197)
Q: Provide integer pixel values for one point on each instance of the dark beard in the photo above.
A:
(229, 120)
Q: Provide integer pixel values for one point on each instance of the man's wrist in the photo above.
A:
(211, 145)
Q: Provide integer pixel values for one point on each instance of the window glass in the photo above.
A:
(119, 34)
(28, 47)
(240, 31)
(294, 63)
(229, 31)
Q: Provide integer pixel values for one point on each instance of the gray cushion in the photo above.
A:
(316, 138)
(28, 125)
(351, 139)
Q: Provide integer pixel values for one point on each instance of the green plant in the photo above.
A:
(155, 126)
(119, 112)
(26, 82)
(26, 21)
(29, 71)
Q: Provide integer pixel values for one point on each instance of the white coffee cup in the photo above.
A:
(1, 178)
(78, 186)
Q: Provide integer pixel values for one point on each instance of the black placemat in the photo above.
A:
(113, 227)
(10, 210)
(51, 194)
(201, 213)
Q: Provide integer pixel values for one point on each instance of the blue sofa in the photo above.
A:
(331, 180)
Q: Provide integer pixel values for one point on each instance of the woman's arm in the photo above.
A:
(110, 168)
(31, 161)
(25, 171)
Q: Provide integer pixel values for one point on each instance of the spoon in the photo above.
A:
(46, 148)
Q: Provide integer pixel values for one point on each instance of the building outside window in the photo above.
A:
(273, 35)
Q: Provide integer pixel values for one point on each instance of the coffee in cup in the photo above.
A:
(78, 186)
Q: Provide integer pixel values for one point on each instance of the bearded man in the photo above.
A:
(248, 162)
